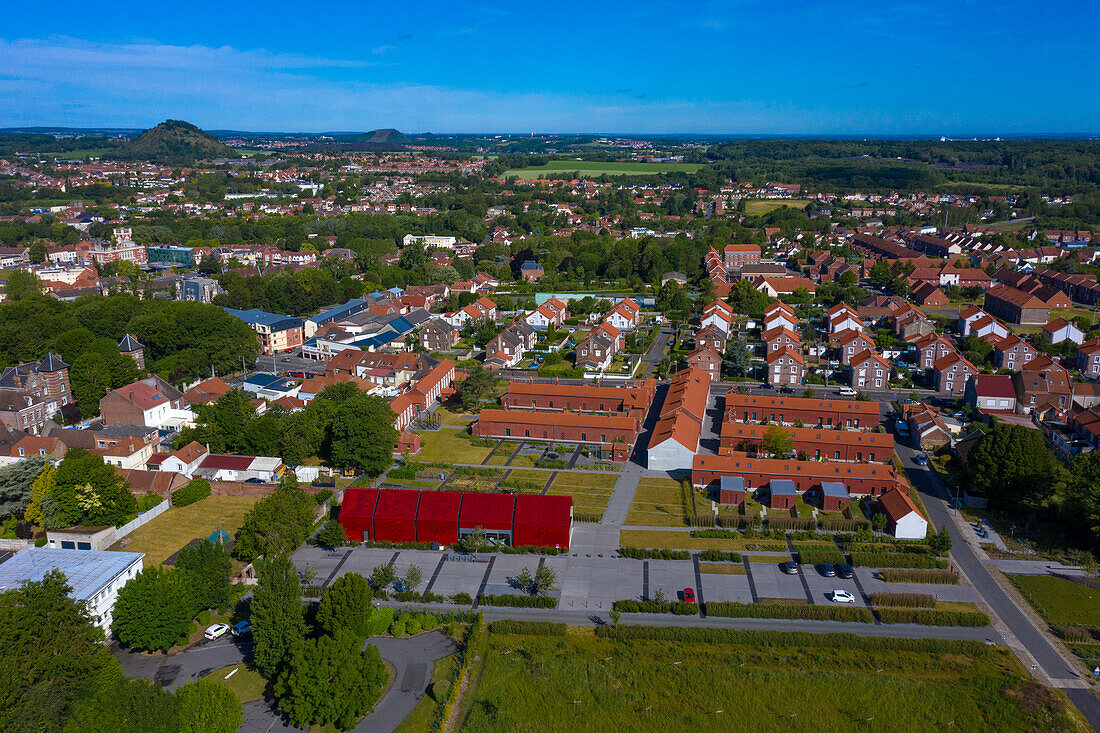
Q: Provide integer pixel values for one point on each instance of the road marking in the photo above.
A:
(484, 582)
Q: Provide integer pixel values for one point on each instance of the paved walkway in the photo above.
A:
(1037, 567)
(412, 660)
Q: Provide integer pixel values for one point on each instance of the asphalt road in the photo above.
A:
(1061, 672)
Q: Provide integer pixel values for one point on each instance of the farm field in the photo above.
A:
(1060, 601)
(656, 504)
(449, 446)
(598, 168)
(600, 684)
(591, 492)
(758, 208)
(166, 534)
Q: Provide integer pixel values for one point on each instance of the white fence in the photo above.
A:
(141, 519)
(15, 545)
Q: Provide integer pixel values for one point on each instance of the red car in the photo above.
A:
(689, 595)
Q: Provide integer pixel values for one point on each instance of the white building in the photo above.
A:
(94, 575)
(430, 240)
(903, 517)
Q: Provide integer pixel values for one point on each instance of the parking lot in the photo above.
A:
(592, 583)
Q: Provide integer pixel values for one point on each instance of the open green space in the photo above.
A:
(600, 168)
(656, 504)
(246, 683)
(591, 492)
(1060, 601)
(449, 446)
(422, 718)
(757, 208)
(593, 684)
(166, 534)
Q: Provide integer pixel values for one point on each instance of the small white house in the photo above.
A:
(903, 517)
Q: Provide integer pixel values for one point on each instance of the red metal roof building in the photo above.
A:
(357, 514)
(437, 517)
(395, 515)
(543, 521)
(494, 513)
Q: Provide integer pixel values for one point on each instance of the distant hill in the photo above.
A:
(375, 140)
(389, 136)
(176, 141)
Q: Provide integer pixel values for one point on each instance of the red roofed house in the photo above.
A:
(738, 255)
(951, 372)
(843, 317)
(150, 402)
(850, 343)
(870, 371)
(991, 393)
(785, 366)
(780, 314)
(1060, 330)
(707, 359)
(1013, 353)
(902, 516)
(675, 437)
(1088, 357)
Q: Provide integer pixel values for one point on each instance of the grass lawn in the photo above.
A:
(447, 416)
(673, 540)
(422, 718)
(1060, 601)
(656, 504)
(602, 685)
(758, 208)
(721, 568)
(246, 683)
(538, 476)
(524, 461)
(805, 511)
(449, 446)
(598, 168)
(590, 492)
(501, 456)
(179, 525)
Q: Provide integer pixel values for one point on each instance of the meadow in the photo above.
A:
(585, 683)
(166, 534)
(593, 169)
(1060, 601)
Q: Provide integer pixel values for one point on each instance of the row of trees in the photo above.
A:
(58, 674)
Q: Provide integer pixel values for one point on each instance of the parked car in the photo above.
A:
(790, 567)
(285, 358)
(843, 570)
(846, 392)
(785, 389)
(216, 630)
(843, 596)
(298, 375)
(689, 595)
(534, 366)
(241, 628)
(921, 459)
(827, 570)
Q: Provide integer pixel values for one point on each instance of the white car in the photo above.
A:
(843, 596)
(216, 630)
(846, 392)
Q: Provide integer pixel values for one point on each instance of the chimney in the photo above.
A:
(131, 395)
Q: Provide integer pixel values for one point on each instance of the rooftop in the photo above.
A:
(87, 571)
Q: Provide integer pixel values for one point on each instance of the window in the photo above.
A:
(83, 545)
(507, 432)
(527, 433)
(68, 545)
(859, 455)
(836, 455)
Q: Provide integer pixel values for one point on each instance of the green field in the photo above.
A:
(166, 534)
(594, 168)
(591, 492)
(656, 504)
(757, 208)
(582, 683)
(1060, 601)
(448, 445)
(246, 683)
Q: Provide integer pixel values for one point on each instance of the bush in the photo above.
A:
(719, 556)
(717, 534)
(644, 553)
(1077, 634)
(726, 609)
(191, 492)
(528, 628)
(397, 628)
(791, 522)
(818, 554)
(905, 575)
(678, 608)
(322, 496)
(834, 524)
(784, 639)
(552, 463)
(904, 600)
(927, 617)
(514, 601)
(588, 517)
(896, 560)
(412, 626)
(148, 501)
(41, 541)
(462, 599)
(411, 596)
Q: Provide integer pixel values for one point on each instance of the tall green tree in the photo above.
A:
(154, 610)
(16, 480)
(122, 704)
(276, 524)
(209, 566)
(330, 680)
(346, 605)
(777, 441)
(21, 285)
(1013, 467)
(88, 491)
(277, 616)
(362, 435)
(207, 705)
(1081, 507)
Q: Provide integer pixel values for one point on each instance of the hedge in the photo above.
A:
(191, 492)
(928, 617)
(791, 639)
(380, 619)
(677, 608)
(906, 575)
(718, 534)
(474, 636)
(515, 601)
(844, 525)
(903, 600)
(896, 560)
(791, 522)
(644, 553)
(528, 628)
(719, 556)
(729, 609)
(411, 596)
(462, 599)
(588, 517)
(1077, 634)
(818, 554)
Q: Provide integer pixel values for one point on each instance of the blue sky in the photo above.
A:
(885, 67)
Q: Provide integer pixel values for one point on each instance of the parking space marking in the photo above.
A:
(484, 581)
(393, 559)
(752, 583)
(435, 574)
(645, 580)
(699, 587)
(335, 570)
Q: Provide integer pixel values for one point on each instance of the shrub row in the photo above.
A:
(817, 554)
(399, 545)
(835, 524)
(906, 575)
(590, 517)
(645, 553)
(191, 492)
(412, 624)
(529, 628)
(516, 601)
(791, 522)
(896, 560)
(462, 599)
(719, 556)
(474, 635)
(701, 520)
(918, 548)
(927, 617)
(553, 463)
(790, 639)
(411, 596)
(729, 609)
(678, 608)
(1076, 633)
(904, 600)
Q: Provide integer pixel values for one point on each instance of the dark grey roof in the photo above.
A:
(52, 363)
(782, 486)
(129, 343)
(733, 483)
(835, 489)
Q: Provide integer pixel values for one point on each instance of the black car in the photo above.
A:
(827, 570)
(790, 567)
(843, 571)
(785, 390)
